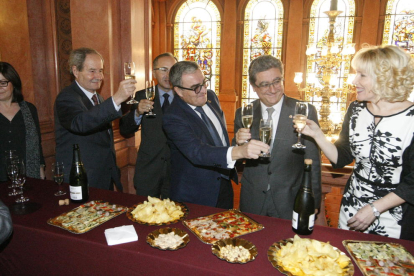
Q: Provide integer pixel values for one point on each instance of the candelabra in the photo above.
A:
(321, 88)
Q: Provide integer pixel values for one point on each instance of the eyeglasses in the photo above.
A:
(162, 69)
(266, 86)
(4, 83)
(197, 88)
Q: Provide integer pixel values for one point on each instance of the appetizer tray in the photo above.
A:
(183, 207)
(380, 258)
(87, 216)
(275, 247)
(152, 238)
(235, 251)
(223, 225)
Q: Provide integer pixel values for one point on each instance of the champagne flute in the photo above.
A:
(129, 73)
(150, 94)
(301, 114)
(12, 171)
(265, 134)
(58, 177)
(20, 180)
(10, 155)
(247, 115)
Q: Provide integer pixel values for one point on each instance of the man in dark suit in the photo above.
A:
(152, 168)
(83, 117)
(202, 160)
(269, 186)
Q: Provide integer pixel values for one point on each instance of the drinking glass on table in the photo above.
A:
(58, 177)
(12, 166)
(129, 73)
(265, 134)
(150, 95)
(301, 114)
(20, 181)
(9, 155)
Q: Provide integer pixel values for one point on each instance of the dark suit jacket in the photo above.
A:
(196, 164)
(284, 173)
(77, 121)
(154, 154)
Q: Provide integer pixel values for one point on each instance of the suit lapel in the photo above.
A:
(85, 100)
(257, 116)
(221, 119)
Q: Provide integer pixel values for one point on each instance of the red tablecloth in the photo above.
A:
(37, 248)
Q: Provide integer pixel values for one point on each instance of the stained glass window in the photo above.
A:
(197, 33)
(263, 34)
(399, 26)
(343, 36)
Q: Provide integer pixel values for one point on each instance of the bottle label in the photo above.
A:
(311, 222)
(295, 219)
(75, 192)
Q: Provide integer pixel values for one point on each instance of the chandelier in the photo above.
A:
(321, 88)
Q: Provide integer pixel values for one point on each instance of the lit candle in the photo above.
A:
(334, 5)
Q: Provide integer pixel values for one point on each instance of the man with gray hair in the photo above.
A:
(269, 186)
(202, 160)
(83, 117)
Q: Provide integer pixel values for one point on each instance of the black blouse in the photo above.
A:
(13, 137)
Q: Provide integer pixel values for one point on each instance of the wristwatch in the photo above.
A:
(376, 212)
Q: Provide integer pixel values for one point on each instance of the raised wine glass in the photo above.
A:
(301, 114)
(20, 180)
(247, 115)
(129, 73)
(265, 134)
(58, 177)
(150, 94)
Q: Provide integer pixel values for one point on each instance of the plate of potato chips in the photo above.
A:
(308, 257)
(157, 212)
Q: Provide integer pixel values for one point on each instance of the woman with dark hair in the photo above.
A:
(19, 125)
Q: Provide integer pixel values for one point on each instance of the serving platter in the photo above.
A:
(87, 216)
(380, 258)
(275, 247)
(250, 247)
(151, 237)
(228, 224)
(183, 207)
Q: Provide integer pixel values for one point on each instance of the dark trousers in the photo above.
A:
(225, 199)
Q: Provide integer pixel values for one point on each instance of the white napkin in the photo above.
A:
(122, 234)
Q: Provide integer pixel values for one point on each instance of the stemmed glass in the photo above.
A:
(265, 134)
(129, 73)
(12, 166)
(301, 114)
(150, 94)
(247, 115)
(58, 177)
(20, 180)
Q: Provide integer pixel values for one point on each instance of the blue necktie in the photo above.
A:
(166, 103)
(210, 126)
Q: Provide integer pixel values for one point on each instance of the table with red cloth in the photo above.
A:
(37, 248)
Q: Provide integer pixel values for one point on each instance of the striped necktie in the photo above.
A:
(211, 128)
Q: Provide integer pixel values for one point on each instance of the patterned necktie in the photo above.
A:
(211, 128)
(95, 99)
(270, 111)
(166, 103)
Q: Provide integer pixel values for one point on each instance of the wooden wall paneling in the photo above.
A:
(370, 14)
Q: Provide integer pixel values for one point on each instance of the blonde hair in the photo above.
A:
(390, 67)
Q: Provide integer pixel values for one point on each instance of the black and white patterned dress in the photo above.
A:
(378, 152)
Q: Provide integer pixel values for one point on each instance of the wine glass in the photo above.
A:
(129, 73)
(265, 134)
(247, 115)
(150, 94)
(10, 157)
(20, 180)
(301, 114)
(58, 177)
(12, 170)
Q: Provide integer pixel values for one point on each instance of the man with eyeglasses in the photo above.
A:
(152, 168)
(269, 186)
(202, 160)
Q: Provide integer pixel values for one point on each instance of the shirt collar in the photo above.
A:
(162, 92)
(87, 93)
(277, 106)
